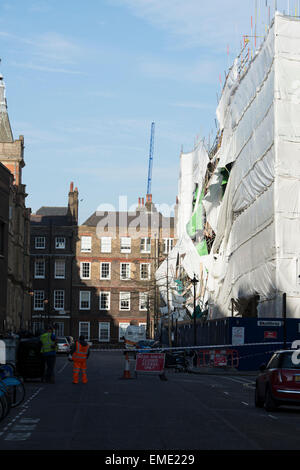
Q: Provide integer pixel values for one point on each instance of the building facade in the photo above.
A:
(117, 254)
(5, 183)
(52, 252)
(17, 315)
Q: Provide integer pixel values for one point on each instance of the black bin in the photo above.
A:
(30, 362)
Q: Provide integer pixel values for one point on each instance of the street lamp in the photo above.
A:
(195, 281)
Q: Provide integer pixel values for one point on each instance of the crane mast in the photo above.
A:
(148, 196)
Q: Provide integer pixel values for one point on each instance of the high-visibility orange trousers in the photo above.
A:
(79, 365)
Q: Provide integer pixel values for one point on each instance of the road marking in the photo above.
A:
(273, 417)
(29, 420)
(63, 367)
(251, 385)
(244, 403)
(24, 427)
(238, 381)
(226, 393)
(18, 436)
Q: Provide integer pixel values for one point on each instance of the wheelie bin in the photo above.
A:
(30, 362)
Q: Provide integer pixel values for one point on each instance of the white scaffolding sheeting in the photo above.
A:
(257, 225)
(193, 167)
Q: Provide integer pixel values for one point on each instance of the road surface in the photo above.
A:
(185, 412)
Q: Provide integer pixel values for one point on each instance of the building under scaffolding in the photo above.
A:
(238, 214)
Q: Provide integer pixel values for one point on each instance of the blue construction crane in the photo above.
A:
(150, 160)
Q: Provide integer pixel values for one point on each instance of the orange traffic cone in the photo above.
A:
(126, 368)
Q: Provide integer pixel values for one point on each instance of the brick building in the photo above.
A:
(17, 315)
(52, 253)
(5, 183)
(117, 254)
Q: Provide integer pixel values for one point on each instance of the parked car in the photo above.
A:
(63, 345)
(70, 340)
(278, 382)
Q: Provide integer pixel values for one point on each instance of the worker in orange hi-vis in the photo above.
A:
(80, 352)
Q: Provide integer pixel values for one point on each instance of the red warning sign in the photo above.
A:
(150, 362)
(270, 334)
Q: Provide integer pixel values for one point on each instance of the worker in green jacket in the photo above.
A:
(48, 351)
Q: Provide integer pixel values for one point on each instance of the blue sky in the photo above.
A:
(84, 81)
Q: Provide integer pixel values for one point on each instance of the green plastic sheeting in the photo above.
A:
(196, 221)
(202, 248)
(179, 286)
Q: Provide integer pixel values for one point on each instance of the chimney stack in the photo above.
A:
(73, 203)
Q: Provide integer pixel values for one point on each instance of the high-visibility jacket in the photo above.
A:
(81, 352)
(48, 344)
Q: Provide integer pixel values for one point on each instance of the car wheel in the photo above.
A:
(270, 403)
(259, 403)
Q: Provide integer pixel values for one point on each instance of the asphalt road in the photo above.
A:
(186, 412)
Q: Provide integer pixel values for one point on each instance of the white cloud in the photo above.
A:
(43, 68)
(49, 49)
(195, 22)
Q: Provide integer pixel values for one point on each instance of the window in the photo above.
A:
(37, 327)
(286, 361)
(84, 300)
(125, 245)
(104, 332)
(40, 243)
(84, 329)
(104, 301)
(39, 269)
(60, 243)
(86, 244)
(59, 328)
(145, 270)
(105, 244)
(274, 362)
(124, 300)
(143, 301)
(168, 245)
(85, 270)
(104, 270)
(38, 299)
(60, 269)
(145, 245)
(125, 271)
(59, 300)
(122, 330)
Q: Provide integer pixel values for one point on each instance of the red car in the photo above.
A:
(279, 382)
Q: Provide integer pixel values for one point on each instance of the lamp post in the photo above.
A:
(195, 281)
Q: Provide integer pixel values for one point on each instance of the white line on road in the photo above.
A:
(18, 436)
(63, 368)
(244, 403)
(273, 417)
(244, 382)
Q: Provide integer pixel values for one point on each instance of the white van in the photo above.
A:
(133, 335)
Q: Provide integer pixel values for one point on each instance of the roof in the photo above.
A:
(50, 211)
(5, 129)
(52, 216)
(125, 219)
